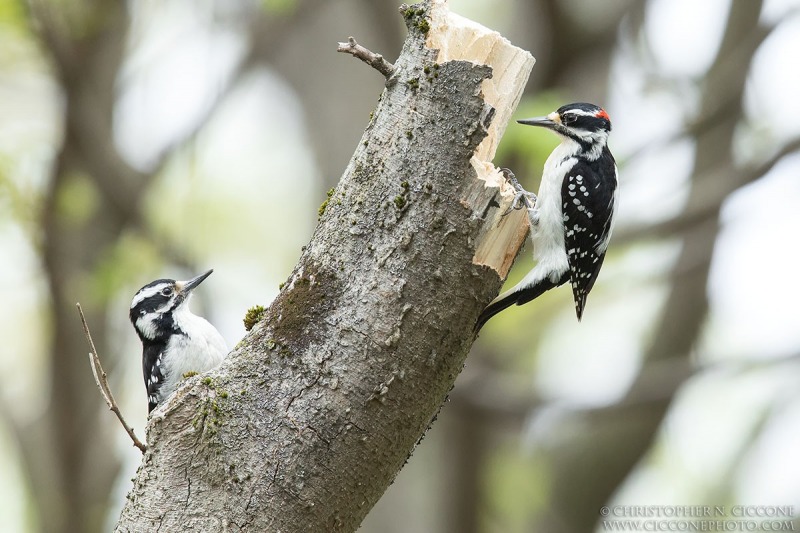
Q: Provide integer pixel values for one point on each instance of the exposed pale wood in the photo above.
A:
(458, 38)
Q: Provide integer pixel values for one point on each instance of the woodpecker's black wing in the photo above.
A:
(588, 195)
(153, 377)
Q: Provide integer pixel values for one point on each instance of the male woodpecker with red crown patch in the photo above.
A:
(572, 217)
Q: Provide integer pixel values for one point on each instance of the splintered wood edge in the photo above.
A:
(458, 38)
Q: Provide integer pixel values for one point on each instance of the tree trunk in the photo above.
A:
(311, 417)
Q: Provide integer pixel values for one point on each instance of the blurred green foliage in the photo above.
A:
(279, 7)
(514, 498)
(133, 257)
(12, 15)
(77, 200)
(526, 145)
(19, 202)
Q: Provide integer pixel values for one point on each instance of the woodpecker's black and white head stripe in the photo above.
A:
(572, 218)
(174, 341)
(587, 125)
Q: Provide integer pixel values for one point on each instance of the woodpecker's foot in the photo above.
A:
(522, 198)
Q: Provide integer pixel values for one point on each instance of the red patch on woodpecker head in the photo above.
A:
(602, 114)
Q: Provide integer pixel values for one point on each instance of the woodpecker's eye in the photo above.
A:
(568, 118)
(166, 291)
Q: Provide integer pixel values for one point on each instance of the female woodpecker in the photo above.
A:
(174, 341)
(572, 217)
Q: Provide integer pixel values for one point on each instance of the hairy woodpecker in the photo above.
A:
(174, 340)
(572, 217)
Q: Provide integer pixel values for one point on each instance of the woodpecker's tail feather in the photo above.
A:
(517, 295)
(498, 304)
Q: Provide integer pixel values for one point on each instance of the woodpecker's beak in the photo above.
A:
(185, 287)
(551, 121)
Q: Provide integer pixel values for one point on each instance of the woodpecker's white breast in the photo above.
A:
(548, 234)
(200, 348)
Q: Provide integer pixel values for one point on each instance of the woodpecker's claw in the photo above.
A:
(522, 198)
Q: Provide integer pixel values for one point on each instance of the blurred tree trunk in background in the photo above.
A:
(587, 471)
(336, 100)
(92, 196)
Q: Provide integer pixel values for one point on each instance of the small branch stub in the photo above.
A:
(372, 59)
(101, 379)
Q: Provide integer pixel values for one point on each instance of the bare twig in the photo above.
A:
(101, 379)
(372, 59)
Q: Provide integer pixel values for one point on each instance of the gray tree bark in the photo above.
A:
(311, 417)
